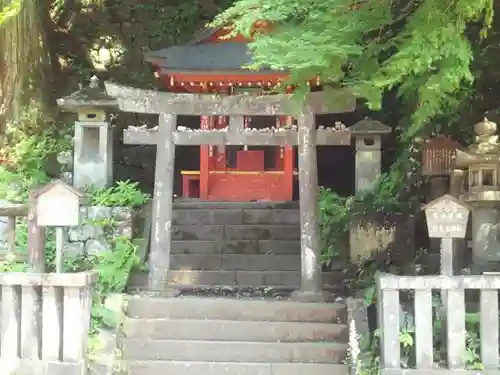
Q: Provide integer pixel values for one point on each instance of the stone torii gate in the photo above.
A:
(168, 105)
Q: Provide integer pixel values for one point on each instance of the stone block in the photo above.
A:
(263, 232)
(276, 247)
(191, 217)
(197, 247)
(123, 229)
(83, 232)
(376, 233)
(227, 216)
(233, 309)
(259, 262)
(91, 235)
(97, 246)
(270, 216)
(233, 330)
(241, 247)
(234, 351)
(207, 216)
(122, 213)
(96, 213)
(198, 232)
(244, 262)
(233, 368)
(201, 278)
(196, 262)
(74, 248)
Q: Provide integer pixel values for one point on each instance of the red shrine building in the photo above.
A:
(212, 63)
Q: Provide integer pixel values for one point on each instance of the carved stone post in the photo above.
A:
(311, 281)
(161, 241)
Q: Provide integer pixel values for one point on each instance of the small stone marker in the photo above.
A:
(58, 205)
(446, 219)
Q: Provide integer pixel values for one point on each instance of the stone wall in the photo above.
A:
(98, 224)
(379, 233)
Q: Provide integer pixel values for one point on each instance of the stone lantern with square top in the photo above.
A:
(368, 134)
(93, 140)
(482, 165)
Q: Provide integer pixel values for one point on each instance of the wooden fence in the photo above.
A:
(453, 288)
(44, 323)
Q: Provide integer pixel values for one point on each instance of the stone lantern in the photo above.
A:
(93, 141)
(368, 134)
(482, 162)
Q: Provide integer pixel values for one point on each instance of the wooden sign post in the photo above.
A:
(58, 205)
(446, 219)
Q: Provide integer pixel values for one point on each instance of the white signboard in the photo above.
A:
(58, 206)
(446, 218)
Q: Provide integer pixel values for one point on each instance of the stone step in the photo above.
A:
(195, 204)
(278, 247)
(234, 351)
(235, 216)
(232, 368)
(233, 330)
(235, 232)
(187, 279)
(256, 310)
(235, 262)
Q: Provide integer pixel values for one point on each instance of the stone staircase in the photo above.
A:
(215, 336)
(236, 245)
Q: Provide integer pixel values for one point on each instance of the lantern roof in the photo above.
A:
(368, 126)
(91, 96)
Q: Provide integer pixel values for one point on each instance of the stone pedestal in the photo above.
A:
(93, 157)
(485, 234)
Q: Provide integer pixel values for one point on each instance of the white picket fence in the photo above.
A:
(44, 323)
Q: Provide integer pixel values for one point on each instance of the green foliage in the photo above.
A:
(420, 50)
(334, 222)
(31, 143)
(420, 47)
(123, 194)
(114, 268)
(10, 10)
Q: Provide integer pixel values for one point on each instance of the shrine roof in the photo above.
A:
(369, 126)
(211, 56)
(205, 52)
